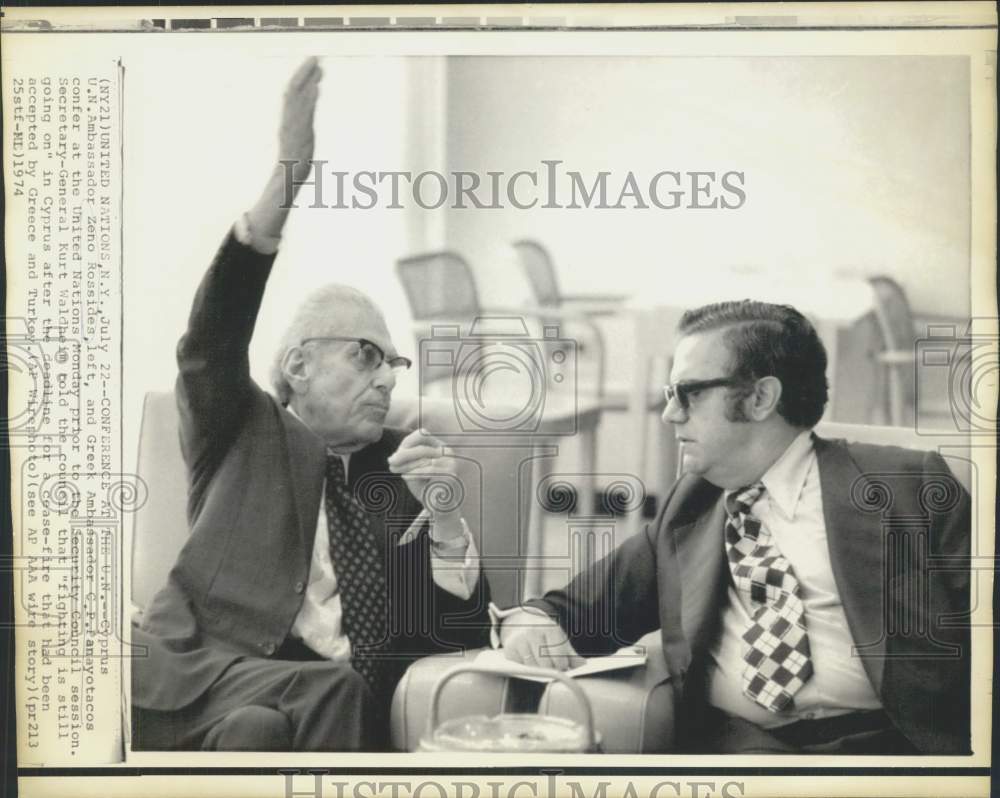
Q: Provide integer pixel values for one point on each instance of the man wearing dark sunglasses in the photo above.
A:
(771, 566)
(314, 573)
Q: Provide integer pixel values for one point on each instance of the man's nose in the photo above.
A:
(385, 377)
(674, 413)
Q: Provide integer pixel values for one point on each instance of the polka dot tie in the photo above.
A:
(776, 646)
(361, 572)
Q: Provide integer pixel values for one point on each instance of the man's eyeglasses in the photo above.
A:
(683, 391)
(369, 356)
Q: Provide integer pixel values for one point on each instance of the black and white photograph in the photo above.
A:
(505, 397)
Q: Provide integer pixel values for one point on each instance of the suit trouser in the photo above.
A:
(869, 732)
(270, 705)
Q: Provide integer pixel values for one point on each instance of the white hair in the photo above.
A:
(318, 313)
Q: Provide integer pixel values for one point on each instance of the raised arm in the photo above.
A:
(296, 140)
(214, 389)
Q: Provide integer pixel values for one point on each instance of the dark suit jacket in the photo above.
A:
(255, 485)
(886, 509)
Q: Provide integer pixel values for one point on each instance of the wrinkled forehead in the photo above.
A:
(701, 356)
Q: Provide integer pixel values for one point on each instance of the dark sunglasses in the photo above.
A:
(683, 391)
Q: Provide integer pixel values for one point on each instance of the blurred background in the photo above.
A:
(856, 171)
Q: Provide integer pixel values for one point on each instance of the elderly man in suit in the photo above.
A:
(789, 613)
(313, 574)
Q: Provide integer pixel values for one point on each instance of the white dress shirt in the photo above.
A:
(791, 507)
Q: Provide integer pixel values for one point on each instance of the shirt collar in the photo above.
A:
(786, 477)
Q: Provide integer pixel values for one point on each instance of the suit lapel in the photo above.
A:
(855, 541)
(701, 552)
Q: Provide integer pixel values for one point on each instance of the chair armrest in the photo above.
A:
(634, 710)
(466, 694)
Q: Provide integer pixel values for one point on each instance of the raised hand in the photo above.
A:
(296, 142)
(297, 138)
(433, 474)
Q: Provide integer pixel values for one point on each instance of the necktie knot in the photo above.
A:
(740, 501)
(336, 476)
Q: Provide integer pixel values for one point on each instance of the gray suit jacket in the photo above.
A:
(886, 510)
(255, 485)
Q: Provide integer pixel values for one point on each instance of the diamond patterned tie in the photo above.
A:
(360, 570)
(776, 646)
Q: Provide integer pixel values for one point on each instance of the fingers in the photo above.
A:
(418, 449)
(416, 455)
(309, 71)
(303, 91)
(420, 437)
(558, 655)
(542, 647)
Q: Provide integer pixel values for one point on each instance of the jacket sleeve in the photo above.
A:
(214, 390)
(430, 618)
(934, 649)
(464, 623)
(610, 604)
(616, 601)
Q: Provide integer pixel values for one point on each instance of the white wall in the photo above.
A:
(187, 182)
(853, 165)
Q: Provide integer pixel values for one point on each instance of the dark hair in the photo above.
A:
(767, 340)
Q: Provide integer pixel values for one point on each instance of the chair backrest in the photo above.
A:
(953, 447)
(496, 502)
(894, 315)
(540, 271)
(160, 525)
(895, 322)
(439, 285)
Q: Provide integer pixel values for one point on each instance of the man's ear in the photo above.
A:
(763, 402)
(296, 368)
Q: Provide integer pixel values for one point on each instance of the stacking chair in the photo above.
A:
(441, 287)
(899, 334)
(895, 322)
(541, 274)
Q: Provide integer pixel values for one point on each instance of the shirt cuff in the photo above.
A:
(264, 244)
(458, 576)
